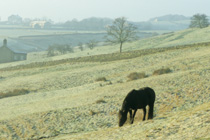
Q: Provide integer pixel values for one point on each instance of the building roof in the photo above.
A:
(16, 46)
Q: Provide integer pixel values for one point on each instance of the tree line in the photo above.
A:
(88, 24)
(59, 49)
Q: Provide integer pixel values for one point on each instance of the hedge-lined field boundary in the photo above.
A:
(106, 57)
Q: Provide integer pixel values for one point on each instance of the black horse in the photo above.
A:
(137, 99)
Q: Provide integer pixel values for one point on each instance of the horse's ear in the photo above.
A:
(133, 90)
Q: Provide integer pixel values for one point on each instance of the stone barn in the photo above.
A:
(9, 55)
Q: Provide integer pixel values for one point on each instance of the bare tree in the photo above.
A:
(120, 32)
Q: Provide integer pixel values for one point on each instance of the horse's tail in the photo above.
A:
(151, 104)
(151, 108)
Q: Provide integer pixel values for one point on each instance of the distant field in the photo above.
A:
(15, 33)
(41, 39)
(2, 26)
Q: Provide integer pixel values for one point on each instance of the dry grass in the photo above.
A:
(65, 105)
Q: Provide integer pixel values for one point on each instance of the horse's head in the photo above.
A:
(122, 117)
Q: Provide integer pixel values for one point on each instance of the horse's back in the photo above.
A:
(140, 98)
(147, 94)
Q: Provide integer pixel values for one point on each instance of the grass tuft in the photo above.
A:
(101, 79)
(162, 71)
(15, 92)
(136, 75)
(100, 101)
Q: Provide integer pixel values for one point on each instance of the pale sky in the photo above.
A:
(134, 10)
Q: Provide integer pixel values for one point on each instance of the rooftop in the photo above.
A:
(16, 46)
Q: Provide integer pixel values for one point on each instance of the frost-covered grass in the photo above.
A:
(65, 100)
(66, 97)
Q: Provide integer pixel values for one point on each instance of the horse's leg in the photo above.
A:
(145, 111)
(134, 116)
(151, 107)
(131, 119)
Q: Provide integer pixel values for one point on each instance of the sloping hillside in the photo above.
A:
(188, 124)
(188, 36)
(66, 101)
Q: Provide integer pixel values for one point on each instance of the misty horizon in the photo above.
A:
(134, 10)
(48, 19)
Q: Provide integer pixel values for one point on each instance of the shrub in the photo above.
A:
(162, 71)
(15, 92)
(101, 79)
(59, 49)
(100, 101)
(91, 44)
(136, 75)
